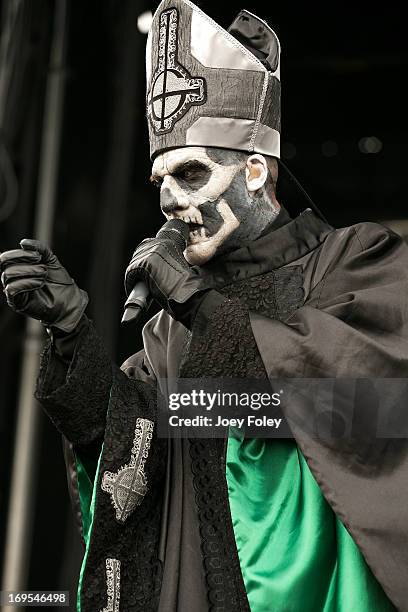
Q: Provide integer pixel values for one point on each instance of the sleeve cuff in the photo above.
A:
(76, 397)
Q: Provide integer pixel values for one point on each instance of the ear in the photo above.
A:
(256, 173)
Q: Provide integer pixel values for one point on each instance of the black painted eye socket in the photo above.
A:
(193, 173)
(187, 175)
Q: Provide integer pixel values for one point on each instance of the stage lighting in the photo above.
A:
(370, 144)
(144, 21)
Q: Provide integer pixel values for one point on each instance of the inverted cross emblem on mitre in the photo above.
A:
(173, 90)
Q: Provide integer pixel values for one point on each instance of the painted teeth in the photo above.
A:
(197, 232)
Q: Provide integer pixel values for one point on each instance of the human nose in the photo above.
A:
(170, 203)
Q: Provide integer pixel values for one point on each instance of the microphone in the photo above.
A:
(139, 299)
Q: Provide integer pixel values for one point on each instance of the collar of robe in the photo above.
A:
(284, 241)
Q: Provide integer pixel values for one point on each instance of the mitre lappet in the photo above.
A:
(210, 87)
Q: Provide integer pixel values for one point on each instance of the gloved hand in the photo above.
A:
(36, 284)
(159, 262)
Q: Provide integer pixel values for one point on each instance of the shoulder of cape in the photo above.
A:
(360, 244)
(368, 233)
(354, 239)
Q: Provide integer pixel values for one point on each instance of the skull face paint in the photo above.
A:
(206, 188)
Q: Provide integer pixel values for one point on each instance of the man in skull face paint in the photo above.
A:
(226, 197)
(237, 524)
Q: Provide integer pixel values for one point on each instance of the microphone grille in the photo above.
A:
(175, 230)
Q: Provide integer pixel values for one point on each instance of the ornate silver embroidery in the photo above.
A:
(173, 91)
(128, 485)
(259, 114)
(112, 585)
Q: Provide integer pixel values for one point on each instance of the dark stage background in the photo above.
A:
(343, 131)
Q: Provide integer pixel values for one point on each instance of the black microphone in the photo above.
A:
(139, 299)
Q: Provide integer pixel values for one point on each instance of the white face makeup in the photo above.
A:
(206, 188)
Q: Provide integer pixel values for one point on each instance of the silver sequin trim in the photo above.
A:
(128, 486)
(112, 585)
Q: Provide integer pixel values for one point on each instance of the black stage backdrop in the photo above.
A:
(343, 132)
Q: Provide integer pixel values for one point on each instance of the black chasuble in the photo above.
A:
(302, 301)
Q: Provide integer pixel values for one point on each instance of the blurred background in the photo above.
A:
(74, 168)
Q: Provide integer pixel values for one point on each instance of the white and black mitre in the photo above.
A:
(210, 87)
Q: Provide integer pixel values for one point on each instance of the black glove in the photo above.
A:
(36, 284)
(159, 262)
